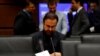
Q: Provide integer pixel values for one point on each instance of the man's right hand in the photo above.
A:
(55, 54)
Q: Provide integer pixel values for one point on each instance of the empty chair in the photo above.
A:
(91, 39)
(12, 46)
(88, 49)
(69, 47)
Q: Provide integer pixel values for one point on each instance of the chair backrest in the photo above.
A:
(88, 49)
(91, 38)
(15, 44)
(74, 38)
(69, 47)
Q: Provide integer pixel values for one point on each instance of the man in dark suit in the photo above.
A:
(23, 24)
(48, 39)
(79, 23)
(94, 16)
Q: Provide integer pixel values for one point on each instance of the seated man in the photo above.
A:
(49, 38)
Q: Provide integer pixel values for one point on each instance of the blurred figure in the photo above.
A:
(79, 23)
(48, 39)
(94, 16)
(23, 24)
(62, 25)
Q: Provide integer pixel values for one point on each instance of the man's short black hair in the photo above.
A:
(27, 3)
(52, 2)
(51, 16)
(94, 1)
(81, 2)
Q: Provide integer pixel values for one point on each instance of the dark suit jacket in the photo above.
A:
(23, 24)
(80, 23)
(94, 18)
(46, 42)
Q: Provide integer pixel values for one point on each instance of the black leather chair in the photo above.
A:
(16, 46)
(94, 38)
(69, 47)
(88, 49)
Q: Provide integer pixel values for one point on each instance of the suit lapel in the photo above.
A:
(76, 16)
(28, 14)
(74, 19)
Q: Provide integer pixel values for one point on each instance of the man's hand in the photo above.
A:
(55, 54)
(92, 29)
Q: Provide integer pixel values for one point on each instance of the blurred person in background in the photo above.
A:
(94, 16)
(62, 25)
(23, 24)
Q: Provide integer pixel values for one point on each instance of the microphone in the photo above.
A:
(53, 46)
(41, 45)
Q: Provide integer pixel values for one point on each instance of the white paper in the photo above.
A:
(44, 53)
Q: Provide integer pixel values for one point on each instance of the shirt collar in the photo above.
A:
(79, 9)
(24, 10)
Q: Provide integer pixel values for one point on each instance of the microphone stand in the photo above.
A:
(41, 45)
(53, 46)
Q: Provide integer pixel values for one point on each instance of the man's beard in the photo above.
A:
(50, 34)
(53, 11)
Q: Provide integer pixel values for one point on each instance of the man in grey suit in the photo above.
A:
(62, 25)
(80, 22)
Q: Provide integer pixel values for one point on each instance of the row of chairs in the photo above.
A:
(84, 45)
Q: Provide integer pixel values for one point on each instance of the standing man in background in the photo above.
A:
(62, 25)
(79, 23)
(23, 24)
(94, 16)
